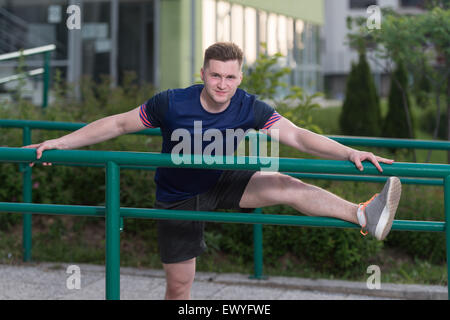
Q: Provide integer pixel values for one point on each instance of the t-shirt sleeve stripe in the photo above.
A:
(274, 118)
(144, 118)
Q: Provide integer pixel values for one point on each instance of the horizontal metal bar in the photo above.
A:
(59, 125)
(27, 52)
(255, 218)
(392, 143)
(347, 140)
(400, 169)
(57, 209)
(226, 217)
(339, 177)
(19, 76)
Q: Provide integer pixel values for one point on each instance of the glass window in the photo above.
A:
(262, 29)
(290, 40)
(298, 37)
(223, 21)
(361, 4)
(96, 15)
(237, 25)
(412, 3)
(272, 34)
(297, 40)
(209, 22)
(250, 35)
(282, 35)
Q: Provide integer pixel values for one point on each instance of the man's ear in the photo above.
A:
(241, 76)
(202, 74)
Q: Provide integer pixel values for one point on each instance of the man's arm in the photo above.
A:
(321, 146)
(95, 132)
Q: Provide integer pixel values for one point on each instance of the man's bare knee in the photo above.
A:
(179, 279)
(178, 289)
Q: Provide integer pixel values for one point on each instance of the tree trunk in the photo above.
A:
(438, 118)
(408, 115)
(448, 116)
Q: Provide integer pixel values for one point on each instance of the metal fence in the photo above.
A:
(45, 71)
(113, 161)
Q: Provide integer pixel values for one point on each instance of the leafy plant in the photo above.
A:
(419, 42)
(265, 79)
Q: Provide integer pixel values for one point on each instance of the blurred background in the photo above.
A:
(163, 41)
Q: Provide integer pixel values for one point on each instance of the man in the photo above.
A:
(220, 105)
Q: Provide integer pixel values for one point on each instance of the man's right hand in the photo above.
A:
(41, 147)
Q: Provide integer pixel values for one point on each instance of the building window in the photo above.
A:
(223, 17)
(413, 3)
(250, 44)
(298, 41)
(237, 25)
(362, 4)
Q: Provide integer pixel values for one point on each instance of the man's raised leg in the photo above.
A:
(267, 189)
(374, 216)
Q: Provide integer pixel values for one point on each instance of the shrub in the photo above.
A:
(396, 122)
(428, 122)
(414, 206)
(361, 115)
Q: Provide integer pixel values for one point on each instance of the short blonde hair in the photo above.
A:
(223, 51)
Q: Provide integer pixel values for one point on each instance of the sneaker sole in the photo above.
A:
(387, 216)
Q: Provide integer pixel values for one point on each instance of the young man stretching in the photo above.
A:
(219, 105)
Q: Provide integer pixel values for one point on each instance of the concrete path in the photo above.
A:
(51, 281)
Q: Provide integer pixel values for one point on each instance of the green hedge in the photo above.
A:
(337, 251)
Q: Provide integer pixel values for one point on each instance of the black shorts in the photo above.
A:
(181, 240)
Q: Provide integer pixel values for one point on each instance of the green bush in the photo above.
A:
(61, 184)
(396, 122)
(428, 122)
(361, 115)
(422, 91)
(421, 204)
(10, 191)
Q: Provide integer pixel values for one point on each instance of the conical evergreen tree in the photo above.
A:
(361, 115)
(396, 122)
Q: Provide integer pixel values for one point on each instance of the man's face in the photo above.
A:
(221, 80)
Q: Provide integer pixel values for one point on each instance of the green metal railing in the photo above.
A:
(46, 51)
(112, 212)
(431, 174)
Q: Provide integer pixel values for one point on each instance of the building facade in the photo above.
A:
(163, 41)
(338, 57)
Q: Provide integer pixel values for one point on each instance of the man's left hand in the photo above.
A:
(358, 156)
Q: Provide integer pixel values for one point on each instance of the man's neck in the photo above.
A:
(210, 105)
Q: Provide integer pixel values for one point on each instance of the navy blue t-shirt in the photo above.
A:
(181, 109)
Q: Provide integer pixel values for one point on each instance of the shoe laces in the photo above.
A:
(363, 209)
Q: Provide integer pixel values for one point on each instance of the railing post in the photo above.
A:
(447, 228)
(27, 198)
(257, 229)
(112, 224)
(46, 79)
(258, 249)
